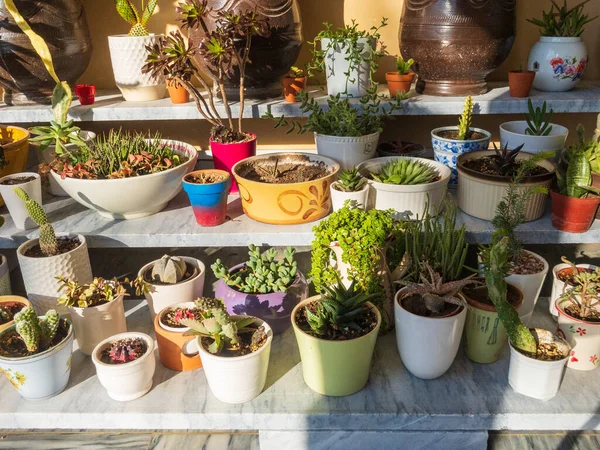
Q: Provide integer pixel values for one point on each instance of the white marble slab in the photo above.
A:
(109, 106)
(469, 397)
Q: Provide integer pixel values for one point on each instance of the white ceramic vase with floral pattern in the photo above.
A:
(583, 336)
(559, 63)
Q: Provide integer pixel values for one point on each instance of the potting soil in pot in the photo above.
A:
(13, 346)
(480, 293)
(65, 245)
(293, 169)
(248, 343)
(453, 134)
(528, 264)
(366, 323)
(415, 304)
(13, 308)
(16, 181)
(488, 166)
(545, 352)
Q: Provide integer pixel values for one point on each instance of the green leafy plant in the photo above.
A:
(576, 180)
(47, 241)
(295, 72)
(406, 171)
(538, 120)
(465, 120)
(403, 67)
(583, 296)
(130, 14)
(350, 180)
(96, 293)
(564, 21)
(36, 334)
(589, 146)
(261, 274)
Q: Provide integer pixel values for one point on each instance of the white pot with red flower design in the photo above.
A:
(559, 63)
(582, 334)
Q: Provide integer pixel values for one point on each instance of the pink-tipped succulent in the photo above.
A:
(127, 350)
(183, 314)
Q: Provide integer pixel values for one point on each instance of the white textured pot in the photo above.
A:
(406, 200)
(39, 274)
(16, 206)
(237, 379)
(338, 198)
(558, 286)
(161, 296)
(337, 69)
(559, 63)
(5, 288)
(128, 56)
(427, 345)
(96, 323)
(135, 197)
(535, 378)
(513, 135)
(478, 195)
(41, 376)
(349, 152)
(583, 337)
(127, 381)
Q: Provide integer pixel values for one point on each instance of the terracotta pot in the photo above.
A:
(225, 156)
(520, 82)
(176, 351)
(177, 92)
(62, 23)
(271, 58)
(292, 87)
(456, 43)
(4, 299)
(399, 83)
(574, 215)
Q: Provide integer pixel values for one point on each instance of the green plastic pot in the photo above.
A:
(335, 368)
(485, 334)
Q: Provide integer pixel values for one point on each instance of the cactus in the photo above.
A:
(406, 171)
(169, 269)
(496, 263)
(126, 350)
(130, 14)
(465, 120)
(350, 180)
(47, 241)
(36, 335)
(261, 274)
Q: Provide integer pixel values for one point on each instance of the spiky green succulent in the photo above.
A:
(406, 171)
(131, 15)
(169, 269)
(538, 120)
(465, 120)
(37, 335)
(47, 241)
(403, 67)
(350, 180)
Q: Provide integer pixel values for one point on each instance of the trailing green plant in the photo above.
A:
(564, 21)
(350, 180)
(36, 334)
(406, 171)
(217, 325)
(225, 52)
(96, 293)
(496, 269)
(169, 269)
(295, 72)
(538, 120)
(130, 14)
(261, 274)
(583, 295)
(576, 180)
(338, 309)
(47, 241)
(465, 120)
(403, 67)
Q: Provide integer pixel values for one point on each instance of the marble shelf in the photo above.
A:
(175, 226)
(109, 106)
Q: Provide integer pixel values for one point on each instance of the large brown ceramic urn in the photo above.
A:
(62, 24)
(272, 57)
(456, 43)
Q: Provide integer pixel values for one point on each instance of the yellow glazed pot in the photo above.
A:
(286, 203)
(15, 142)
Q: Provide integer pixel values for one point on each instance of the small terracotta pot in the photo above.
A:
(177, 92)
(520, 82)
(399, 83)
(573, 215)
(292, 87)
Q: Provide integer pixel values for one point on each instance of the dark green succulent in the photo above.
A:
(564, 21)
(538, 120)
(350, 181)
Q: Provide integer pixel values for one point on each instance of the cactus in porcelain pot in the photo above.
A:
(37, 335)
(47, 241)
(169, 269)
(465, 120)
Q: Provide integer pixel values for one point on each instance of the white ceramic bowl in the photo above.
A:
(131, 198)
(513, 134)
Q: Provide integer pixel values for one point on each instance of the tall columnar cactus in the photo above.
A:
(48, 243)
(130, 14)
(465, 120)
(495, 271)
(169, 269)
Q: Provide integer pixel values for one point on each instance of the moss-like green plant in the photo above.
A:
(37, 335)
(130, 14)
(406, 171)
(465, 120)
(47, 241)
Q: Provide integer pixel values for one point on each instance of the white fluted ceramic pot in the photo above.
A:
(16, 206)
(559, 63)
(349, 152)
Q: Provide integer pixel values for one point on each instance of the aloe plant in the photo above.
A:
(538, 120)
(406, 171)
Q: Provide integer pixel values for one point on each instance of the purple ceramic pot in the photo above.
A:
(275, 308)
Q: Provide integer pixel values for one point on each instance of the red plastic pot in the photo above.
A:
(573, 215)
(225, 156)
(86, 93)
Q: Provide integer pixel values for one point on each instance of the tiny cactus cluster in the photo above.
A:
(169, 269)
(37, 335)
(465, 120)
(350, 180)
(261, 274)
(126, 350)
(406, 171)
(48, 242)
(131, 15)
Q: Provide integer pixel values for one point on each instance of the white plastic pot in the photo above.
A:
(349, 152)
(5, 288)
(16, 206)
(237, 379)
(558, 286)
(534, 378)
(127, 381)
(427, 345)
(406, 200)
(583, 337)
(338, 198)
(97, 323)
(559, 63)
(135, 197)
(161, 296)
(337, 67)
(41, 376)
(39, 274)
(128, 56)
(513, 135)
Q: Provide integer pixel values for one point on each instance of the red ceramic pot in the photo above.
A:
(574, 215)
(225, 156)
(86, 93)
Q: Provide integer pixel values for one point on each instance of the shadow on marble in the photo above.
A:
(49, 440)
(217, 441)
